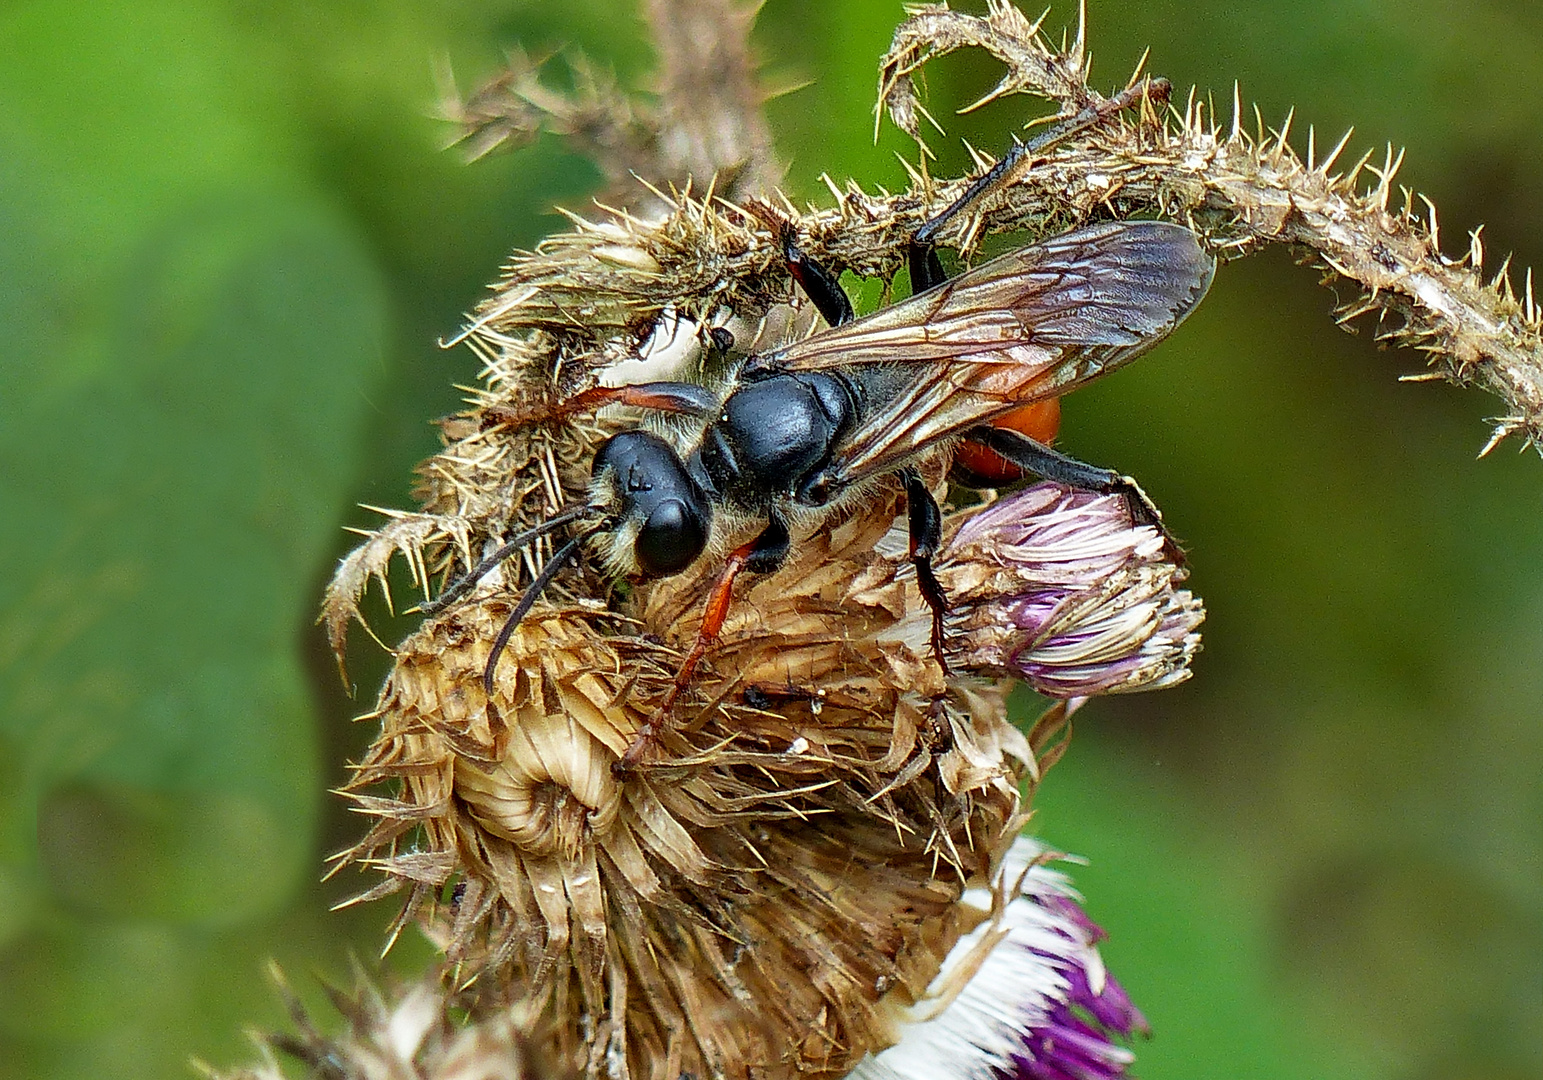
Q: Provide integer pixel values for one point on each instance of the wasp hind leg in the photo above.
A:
(1042, 461)
(921, 252)
(762, 555)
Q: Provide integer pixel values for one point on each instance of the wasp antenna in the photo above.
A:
(469, 580)
(564, 555)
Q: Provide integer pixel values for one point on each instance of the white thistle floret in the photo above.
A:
(997, 983)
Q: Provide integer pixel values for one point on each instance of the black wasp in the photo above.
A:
(802, 429)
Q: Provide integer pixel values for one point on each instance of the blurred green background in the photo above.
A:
(227, 245)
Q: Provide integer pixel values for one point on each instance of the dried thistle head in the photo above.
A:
(807, 853)
(763, 901)
(748, 904)
(825, 800)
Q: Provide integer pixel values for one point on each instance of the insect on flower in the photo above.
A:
(802, 430)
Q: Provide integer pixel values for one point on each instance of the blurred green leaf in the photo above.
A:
(179, 502)
(191, 331)
(121, 852)
(1187, 937)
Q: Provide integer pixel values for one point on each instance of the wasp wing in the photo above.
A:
(1029, 325)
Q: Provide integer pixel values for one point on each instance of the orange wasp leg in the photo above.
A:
(669, 397)
(760, 556)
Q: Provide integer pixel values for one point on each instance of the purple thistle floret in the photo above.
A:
(1062, 589)
(1076, 1040)
(1037, 1003)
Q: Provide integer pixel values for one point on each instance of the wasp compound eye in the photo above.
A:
(670, 540)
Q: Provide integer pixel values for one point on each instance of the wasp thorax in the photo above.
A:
(775, 435)
(657, 504)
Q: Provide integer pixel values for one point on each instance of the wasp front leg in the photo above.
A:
(763, 555)
(820, 285)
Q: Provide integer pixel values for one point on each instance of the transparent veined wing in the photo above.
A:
(1028, 325)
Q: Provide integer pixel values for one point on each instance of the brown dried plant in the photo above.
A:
(1240, 184)
(1246, 189)
(588, 299)
(409, 1032)
(703, 118)
(747, 907)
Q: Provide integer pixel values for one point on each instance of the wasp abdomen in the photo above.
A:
(977, 466)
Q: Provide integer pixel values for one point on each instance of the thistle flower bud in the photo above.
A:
(1062, 589)
(1024, 995)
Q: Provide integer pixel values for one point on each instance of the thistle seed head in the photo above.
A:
(798, 852)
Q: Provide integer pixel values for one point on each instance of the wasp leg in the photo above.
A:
(925, 523)
(926, 268)
(1049, 464)
(819, 284)
(758, 698)
(767, 698)
(921, 252)
(760, 556)
(671, 397)
(939, 731)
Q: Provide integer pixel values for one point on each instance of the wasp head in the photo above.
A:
(663, 517)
